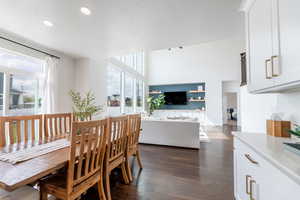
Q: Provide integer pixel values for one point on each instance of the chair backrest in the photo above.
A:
(76, 118)
(134, 129)
(57, 125)
(117, 138)
(16, 129)
(88, 146)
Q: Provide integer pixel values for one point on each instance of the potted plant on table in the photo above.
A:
(84, 106)
(155, 103)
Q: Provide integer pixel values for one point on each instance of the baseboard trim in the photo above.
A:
(169, 146)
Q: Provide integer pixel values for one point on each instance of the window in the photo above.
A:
(139, 96)
(1, 92)
(24, 95)
(20, 80)
(114, 90)
(126, 86)
(140, 63)
(128, 94)
(135, 61)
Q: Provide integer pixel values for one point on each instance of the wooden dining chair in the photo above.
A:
(85, 167)
(57, 125)
(116, 150)
(134, 129)
(76, 118)
(17, 129)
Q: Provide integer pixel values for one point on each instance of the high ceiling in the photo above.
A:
(116, 27)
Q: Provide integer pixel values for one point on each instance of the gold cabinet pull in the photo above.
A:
(267, 68)
(251, 159)
(275, 62)
(248, 177)
(251, 189)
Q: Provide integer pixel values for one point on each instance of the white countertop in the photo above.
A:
(273, 150)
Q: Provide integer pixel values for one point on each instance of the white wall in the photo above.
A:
(257, 108)
(91, 76)
(66, 83)
(66, 68)
(211, 62)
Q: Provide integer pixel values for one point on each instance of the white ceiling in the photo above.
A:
(116, 27)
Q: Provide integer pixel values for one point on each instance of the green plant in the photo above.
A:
(155, 103)
(84, 106)
(295, 132)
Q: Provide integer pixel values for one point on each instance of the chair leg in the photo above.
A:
(107, 186)
(128, 169)
(43, 194)
(124, 173)
(138, 155)
(101, 190)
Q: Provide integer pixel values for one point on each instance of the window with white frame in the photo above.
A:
(20, 83)
(114, 90)
(129, 82)
(135, 61)
(128, 93)
(139, 96)
(140, 60)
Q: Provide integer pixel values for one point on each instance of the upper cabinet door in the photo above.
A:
(260, 45)
(288, 24)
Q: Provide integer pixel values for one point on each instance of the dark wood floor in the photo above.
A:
(181, 174)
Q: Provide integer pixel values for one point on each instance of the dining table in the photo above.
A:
(14, 176)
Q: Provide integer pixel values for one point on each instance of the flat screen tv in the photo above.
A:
(175, 98)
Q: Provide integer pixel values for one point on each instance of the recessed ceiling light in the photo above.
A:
(85, 10)
(48, 23)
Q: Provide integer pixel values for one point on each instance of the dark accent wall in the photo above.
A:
(177, 88)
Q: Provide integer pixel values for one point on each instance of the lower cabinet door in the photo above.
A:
(243, 176)
(275, 185)
(258, 179)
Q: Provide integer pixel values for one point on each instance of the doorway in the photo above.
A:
(230, 103)
(230, 109)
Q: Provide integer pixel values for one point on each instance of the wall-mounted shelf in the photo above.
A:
(155, 92)
(196, 91)
(195, 94)
(196, 100)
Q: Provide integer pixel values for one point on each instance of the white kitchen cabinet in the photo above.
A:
(260, 45)
(273, 184)
(244, 174)
(258, 179)
(288, 16)
(273, 44)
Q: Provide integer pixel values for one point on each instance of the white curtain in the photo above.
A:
(50, 86)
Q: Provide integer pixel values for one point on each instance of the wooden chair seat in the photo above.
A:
(58, 180)
(24, 193)
(57, 184)
(132, 150)
(85, 166)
